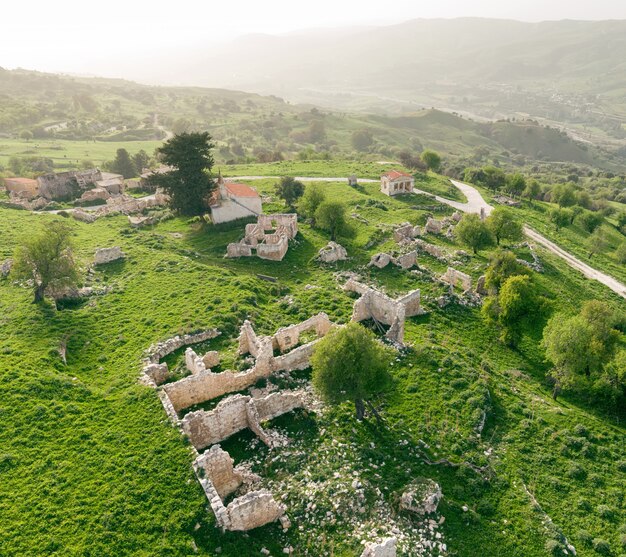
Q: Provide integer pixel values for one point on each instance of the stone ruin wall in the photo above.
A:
(205, 385)
(218, 478)
(457, 278)
(272, 246)
(236, 413)
(374, 304)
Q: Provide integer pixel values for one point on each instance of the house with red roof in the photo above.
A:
(395, 182)
(232, 201)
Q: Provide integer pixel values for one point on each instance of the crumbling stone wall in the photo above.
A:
(205, 385)
(235, 413)
(431, 249)
(373, 304)
(455, 278)
(215, 472)
(272, 246)
(288, 337)
(332, 252)
(67, 185)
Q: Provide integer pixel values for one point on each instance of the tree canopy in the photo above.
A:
(48, 260)
(516, 304)
(312, 198)
(431, 159)
(289, 190)
(189, 184)
(350, 364)
(504, 225)
(502, 265)
(473, 232)
(331, 216)
(580, 346)
(123, 164)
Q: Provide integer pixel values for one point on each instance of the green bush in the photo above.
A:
(601, 546)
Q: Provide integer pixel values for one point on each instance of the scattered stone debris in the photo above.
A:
(332, 252)
(504, 200)
(422, 496)
(107, 255)
(84, 216)
(272, 245)
(386, 548)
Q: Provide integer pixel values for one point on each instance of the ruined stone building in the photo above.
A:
(268, 238)
(395, 182)
(232, 201)
(214, 467)
(72, 184)
(376, 305)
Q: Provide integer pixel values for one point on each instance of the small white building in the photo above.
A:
(395, 182)
(232, 201)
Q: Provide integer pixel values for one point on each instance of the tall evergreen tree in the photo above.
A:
(189, 183)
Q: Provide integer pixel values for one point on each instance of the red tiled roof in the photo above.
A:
(240, 190)
(395, 174)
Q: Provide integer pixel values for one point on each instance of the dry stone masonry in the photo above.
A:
(268, 237)
(214, 468)
(376, 305)
(457, 278)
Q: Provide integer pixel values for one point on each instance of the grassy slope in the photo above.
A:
(90, 466)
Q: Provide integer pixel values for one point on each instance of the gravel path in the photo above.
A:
(475, 202)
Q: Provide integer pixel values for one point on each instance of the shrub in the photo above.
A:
(576, 472)
(553, 547)
(606, 512)
(601, 546)
(584, 537)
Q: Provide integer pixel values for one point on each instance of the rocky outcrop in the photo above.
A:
(6, 267)
(332, 252)
(107, 255)
(422, 496)
(386, 548)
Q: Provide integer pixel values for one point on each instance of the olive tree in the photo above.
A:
(350, 364)
(47, 259)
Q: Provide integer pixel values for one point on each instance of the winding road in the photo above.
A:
(475, 203)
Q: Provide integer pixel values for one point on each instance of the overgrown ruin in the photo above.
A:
(214, 468)
(376, 305)
(268, 238)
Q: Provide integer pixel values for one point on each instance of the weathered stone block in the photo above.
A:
(107, 255)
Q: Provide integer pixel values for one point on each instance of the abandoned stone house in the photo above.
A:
(268, 237)
(72, 184)
(214, 467)
(396, 183)
(232, 201)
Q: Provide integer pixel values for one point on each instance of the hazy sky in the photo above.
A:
(75, 35)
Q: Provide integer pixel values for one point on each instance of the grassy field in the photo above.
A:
(90, 466)
(70, 154)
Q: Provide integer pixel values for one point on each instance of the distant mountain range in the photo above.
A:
(562, 71)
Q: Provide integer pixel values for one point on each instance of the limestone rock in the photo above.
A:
(107, 255)
(380, 260)
(422, 496)
(6, 267)
(95, 194)
(332, 252)
(83, 216)
(211, 359)
(387, 548)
